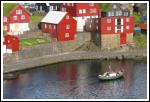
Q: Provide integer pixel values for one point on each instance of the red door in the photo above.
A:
(123, 38)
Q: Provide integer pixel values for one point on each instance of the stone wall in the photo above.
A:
(110, 41)
(129, 38)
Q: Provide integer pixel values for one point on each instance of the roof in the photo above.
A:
(8, 7)
(54, 17)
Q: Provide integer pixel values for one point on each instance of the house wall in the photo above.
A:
(6, 24)
(61, 31)
(49, 28)
(18, 28)
(19, 20)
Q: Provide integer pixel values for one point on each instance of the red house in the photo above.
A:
(81, 11)
(15, 18)
(115, 28)
(60, 25)
(12, 42)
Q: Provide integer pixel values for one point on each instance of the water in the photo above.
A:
(78, 80)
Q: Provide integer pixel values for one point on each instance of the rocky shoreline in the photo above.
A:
(71, 56)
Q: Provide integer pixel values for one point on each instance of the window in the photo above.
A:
(97, 21)
(49, 26)
(118, 21)
(67, 26)
(112, 13)
(45, 26)
(91, 4)
(108, 28)
(66, 35)
(22, 17)
(5, 27)
(68, 4)
(80, 11)
(119, 13)
(84, 11)
(127, 27)
(51, 8)
(126, 14)
(63, 9)
(15, 17)
(67, 17)
(96, 27)
(18, 11)
(5, 19)
(93, 10)
(109, 20)
(72, 4)
(109, 13)
(90, 25)
(127, 20)
(54, 27)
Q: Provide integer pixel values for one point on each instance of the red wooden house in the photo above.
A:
(60, 25)
(115, 28)
(12, 43)
(15, 18)
(81, 11)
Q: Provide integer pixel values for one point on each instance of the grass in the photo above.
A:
(28, 42)
(136, 18)
(104, 6)
(8, 7)
(35, 18)
(140, 40)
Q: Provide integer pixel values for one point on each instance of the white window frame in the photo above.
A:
(127, 27)
(50, 26)
(18, 11)
(91, 4)
(97, 27)
(67, 17)
(121, 21)
(108, 28)
(45, 26)
(67, 26)
(5, 19)
(84, 11)
(23, 17)
(108, 20)
(80, 11)
(5, 27)
(127, 19)
(97, 21)
(54, 26)
(15, 18)
(66, 35)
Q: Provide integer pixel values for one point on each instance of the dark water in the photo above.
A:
(78, 80)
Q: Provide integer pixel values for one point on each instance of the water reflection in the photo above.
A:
(79, 79)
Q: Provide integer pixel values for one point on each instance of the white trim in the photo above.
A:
(115, 21)
(121, 21)
(121, 28)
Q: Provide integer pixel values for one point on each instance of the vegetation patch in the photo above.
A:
(32, 41)
(140, 40)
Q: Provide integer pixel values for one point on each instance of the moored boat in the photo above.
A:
(111, 75)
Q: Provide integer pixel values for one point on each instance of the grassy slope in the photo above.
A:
(32, 41)
(140, 40)
(7, 7)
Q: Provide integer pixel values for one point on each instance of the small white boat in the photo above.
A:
(111, 75)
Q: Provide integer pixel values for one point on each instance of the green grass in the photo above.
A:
(28, 42)
(140, 40)
(35, 18)
(8, 7)
(104, 7)
(136, 18)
